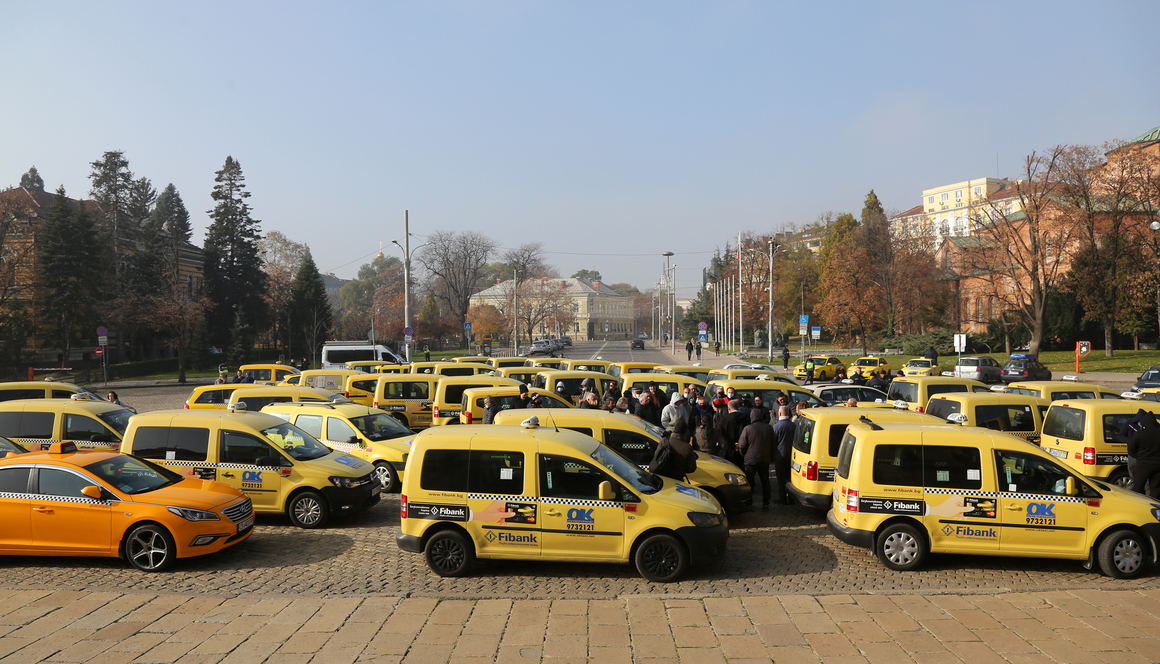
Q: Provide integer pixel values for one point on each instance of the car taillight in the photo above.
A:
(918, 409)
(851, 500)
(402, 507)
(1089, 456)
(468, 416)
(812, 471)
(376, 404)
(187, 406)
(346, 393)
(1024, 373)
(435, 412)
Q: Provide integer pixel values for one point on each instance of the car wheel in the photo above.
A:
(1120, 478)
(661, 558)
(1123, 555)
(449, 553)
(308, 510)
(900, 547)
(150, 548)
(386, 476)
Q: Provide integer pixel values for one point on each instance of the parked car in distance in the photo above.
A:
(636, 343)
(1024, 366)
(981, 368)
(566, 340)
(540, 347)
(1150, 378)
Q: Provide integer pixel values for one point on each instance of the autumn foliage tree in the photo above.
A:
(852, 306)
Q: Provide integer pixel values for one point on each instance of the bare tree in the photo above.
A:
(280, 259)
(456, 263)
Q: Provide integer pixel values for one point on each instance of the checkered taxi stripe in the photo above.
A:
(43, 444)
(44, 498)
(210, 464)
(1005, 494)
(544, 501)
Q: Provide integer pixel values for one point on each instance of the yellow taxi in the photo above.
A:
(825, 367)
(637, 440)
(505, 362)
(1054, 390)
(526, 375)
(918, 390)
(330, 379)
(448, 395)
(282, 469)
(600, 366)
(869, 365)
(692, 371)
(818, 436)
(407, 397)
(667, 383)
(40, 389)
(572, 381)
(544, 363)
(618, 369)
(365, 433)
(70, 502)
(1084, 434)
(456, 369)
(267, 374)
(216, 396)
(747, 374)
(90, 422)
(262, 395)
(767, 390)
(390, 369)
(921, 366)
(471, 359)
(507, 398)
(360, 388)
(907, 490)
(535, 493)
(368, 366)
(291, 380)
(1014, 414)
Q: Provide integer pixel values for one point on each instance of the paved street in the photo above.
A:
(787, 590)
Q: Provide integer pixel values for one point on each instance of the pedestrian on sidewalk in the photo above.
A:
(689, 349)
(698, 351)
(716, 349)
(785, 357)
(756, 447)
(783, 434)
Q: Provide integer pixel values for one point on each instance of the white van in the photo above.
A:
(335, 354)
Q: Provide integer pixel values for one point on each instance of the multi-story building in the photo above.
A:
(597, 311)
(954, 210)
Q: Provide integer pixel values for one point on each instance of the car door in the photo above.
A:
(504, 514)
(576, 523)
(251, 465)
(63, 518)
(1037, 514)
(961, 513)
(15, 509)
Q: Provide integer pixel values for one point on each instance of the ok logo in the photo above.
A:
(579, 515)
(251, 476)
(1041, 510)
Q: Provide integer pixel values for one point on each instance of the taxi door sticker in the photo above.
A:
(251, 479)
(958, 507)
(501, 511)
(1041, 514)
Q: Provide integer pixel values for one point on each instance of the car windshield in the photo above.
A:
(380, 426)
(132, 476)
(866, 363)
(117, 420)
(7, 446)
(908, 392)
(920, 364)
(639, 479)
(297, 443)
(1151, 374)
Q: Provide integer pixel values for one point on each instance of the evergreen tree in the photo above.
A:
(872, 208)
(170, 222)
(69, 274)
(112, 182)
(32, 180)
(241, 340)
(310, 313)
(233, 270)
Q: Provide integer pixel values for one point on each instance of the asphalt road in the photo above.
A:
(786, 551)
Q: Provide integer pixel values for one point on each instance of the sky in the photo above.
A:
(609, 131)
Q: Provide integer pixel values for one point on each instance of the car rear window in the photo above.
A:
(943, 407)
(968, 362)
(1063, 422)
(845, 454)
(908, 392)
(1005, 418)
(898, 465)
(837, 433)
(803, 435)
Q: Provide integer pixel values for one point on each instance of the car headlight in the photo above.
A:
(734, 478)
(345, 482)
(1156, 513)
(194, 515)
(705, 519)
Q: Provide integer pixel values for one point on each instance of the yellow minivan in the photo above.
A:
(407, 397)
(40, 389)
(1016, 414)
(261, 396)
(767, 390)
(818, 436)
(747, 374)
(507, 398)
(544, 363)
(572, 381)
(330, 379)
(534, 493)
(280, 467)
(637, 440)
(618, 369)
(526, 375)
(366, 433)
(1054, 390)
(917, 390)
(90, 422)
(667, 382)
(267, 374)
(599, 366)
(695, 371)
(216, 396)
(1084, 434)
(506, 362)
(449, 391)
(907, 490)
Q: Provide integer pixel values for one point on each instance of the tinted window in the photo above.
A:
(408, 390)
(837, 433)
(968, 362)
(1105, 395)
(1031, 392)
(367, 385)
(932, 390)
(496, 473)
(1024, 473)
(36, 425)
(215, 396)
(339, 431)
(1005, 418)
(454, 393)
(803, 435)
(943, 407)
(185, 444)
(243, 448)
(908, 392)
(14, 480)
(1071, 394)
(444, 470)
(1112, 426)
(79, 427)
(336, 356)
(845, 454)
(584, 430)
(456, 371)
(1065, 423)
(311, 424)
(12, 395)
(567, 477)
(637, 448)
(61, 394)
(62, 483)
(951, 467)
(258, 403)
(898, 465)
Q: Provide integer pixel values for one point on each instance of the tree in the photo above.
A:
(281, 258)
(16, 254)
(544, 302)
(170, 220)
(456, 263)
(590, 275)
(68, 275)
(357, 298)
(851, 306)
(179, 313)
(32, 180)
(234, 279)
(112, 184)
(486, 319)
(309, 307)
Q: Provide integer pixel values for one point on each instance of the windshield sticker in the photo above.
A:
(973, 475)
(1008, 469)
(549, 479)
(942, 476)
(505, 473)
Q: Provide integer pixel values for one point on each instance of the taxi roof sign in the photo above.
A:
(62, 447)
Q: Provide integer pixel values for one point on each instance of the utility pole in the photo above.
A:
(769, 332)
(673, 320)
(515, 312)
(740, 298)
(407, 277)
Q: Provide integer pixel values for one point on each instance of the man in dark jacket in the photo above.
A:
(931, 354)
(1144, 456)
(525, 399)
(878, 382)
(785, 357)
(756, 447)
(590, 401)
(648, 410)
(759, 406)
(783, 433)
(490, 408)
(732, 425)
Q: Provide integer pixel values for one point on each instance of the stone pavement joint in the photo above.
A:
(1051, 626)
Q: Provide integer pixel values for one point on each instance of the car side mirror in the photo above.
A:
(264, 461)
(354, 440)
(1071, 487)
(93, 492)
(605, 491)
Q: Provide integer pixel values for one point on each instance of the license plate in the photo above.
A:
(246, 525)
(376, 490)
(1058, 454)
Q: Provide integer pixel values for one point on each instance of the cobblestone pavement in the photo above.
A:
(115, 628)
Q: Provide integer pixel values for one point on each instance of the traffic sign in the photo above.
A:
(407, 338)
(804, 319)
(1083, 348)
(408, 331)
(100, 351)
(703, 337)
(960, 343)
(702, 326)
(102, 331)
(103, 340)
(467, 326)
(816, 333)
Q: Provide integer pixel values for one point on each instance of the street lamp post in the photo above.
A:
(406, 248)
(670, 303)
(673, 320)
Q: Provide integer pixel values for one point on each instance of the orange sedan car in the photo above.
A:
(65, 502)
